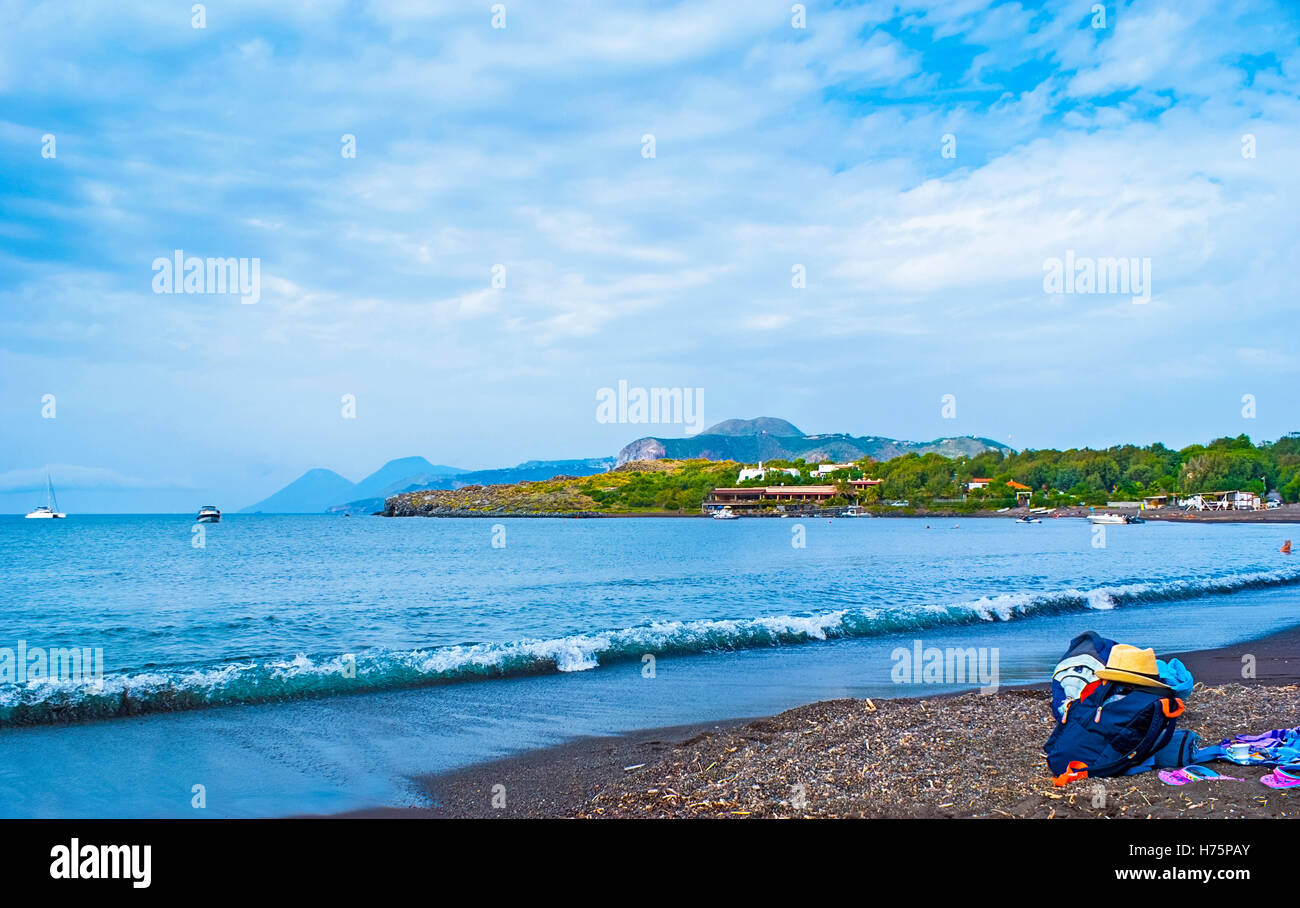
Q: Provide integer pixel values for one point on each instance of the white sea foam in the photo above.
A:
(301, 675)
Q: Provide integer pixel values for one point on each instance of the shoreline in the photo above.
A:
(1288, 514)
(943, 737)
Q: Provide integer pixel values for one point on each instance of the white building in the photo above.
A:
(827, 469)
(1234, 500)
(760, 472)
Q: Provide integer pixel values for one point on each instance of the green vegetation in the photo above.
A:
(1055, 478)
(649, 486)
(1086, 476)
(683, 486)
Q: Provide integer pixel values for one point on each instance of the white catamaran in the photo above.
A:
(51, 506)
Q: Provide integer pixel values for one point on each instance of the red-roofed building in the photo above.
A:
(1022, 492)
(741, 498)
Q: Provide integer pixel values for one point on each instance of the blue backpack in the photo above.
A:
(1087, 654)
(1117, 730)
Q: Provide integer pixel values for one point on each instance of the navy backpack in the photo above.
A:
(1117, 730)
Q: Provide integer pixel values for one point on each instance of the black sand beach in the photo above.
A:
(965, 755)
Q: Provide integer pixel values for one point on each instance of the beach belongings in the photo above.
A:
(1130, 665)
(1283, 777)
(1116, 729)
(1193, 773)
(1117, 708)
(1281, 746)
(1086, 659)
(1181, 750)
(1078, 668)
(1176, 675)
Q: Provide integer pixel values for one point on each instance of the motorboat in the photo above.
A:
(208, 514)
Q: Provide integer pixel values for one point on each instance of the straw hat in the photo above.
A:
(1131, 665)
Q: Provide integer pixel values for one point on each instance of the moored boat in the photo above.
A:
(51, 507)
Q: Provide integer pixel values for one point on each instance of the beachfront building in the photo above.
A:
(982, 482)
(751, 498)
(760, 472)
(1233, 500)
(1151, 502)
(827, 469)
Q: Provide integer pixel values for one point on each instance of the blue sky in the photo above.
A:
(522, 146)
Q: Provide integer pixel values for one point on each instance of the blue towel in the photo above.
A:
(1176, 675)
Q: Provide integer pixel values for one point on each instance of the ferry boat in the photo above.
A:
(51, 507)
(208, 514)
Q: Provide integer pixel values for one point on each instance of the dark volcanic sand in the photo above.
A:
(945, 756)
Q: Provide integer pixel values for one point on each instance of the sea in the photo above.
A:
(288, 665)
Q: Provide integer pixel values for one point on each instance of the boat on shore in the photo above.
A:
(208, 514)
(51, 507)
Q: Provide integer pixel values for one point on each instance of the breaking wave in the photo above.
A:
(183, 688)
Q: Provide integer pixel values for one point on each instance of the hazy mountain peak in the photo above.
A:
(759, 425)
(395, 470)
(312, 491)
(766, 438)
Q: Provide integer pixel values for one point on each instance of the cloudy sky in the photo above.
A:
(921, 162)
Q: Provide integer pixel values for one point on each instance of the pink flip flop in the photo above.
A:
(1283, 777)
(1189, 774)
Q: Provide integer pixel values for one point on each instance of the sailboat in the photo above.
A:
(51, 507)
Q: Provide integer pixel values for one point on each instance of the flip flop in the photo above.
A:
(1283, 777)
(1189, 774)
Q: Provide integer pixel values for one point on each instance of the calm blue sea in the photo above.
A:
(299, 664)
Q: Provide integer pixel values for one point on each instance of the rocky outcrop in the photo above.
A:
(752, 440)
(525, 499)
(641, 449)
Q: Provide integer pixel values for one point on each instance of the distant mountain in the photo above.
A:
(310, 493)
(529, 471)
(316, 490)
(766, 438)
(397, 470)
(763, 425)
